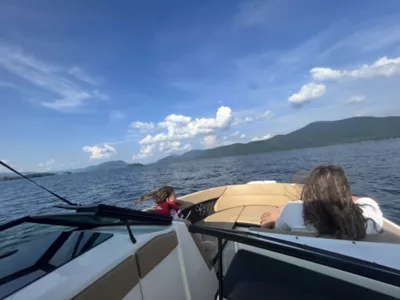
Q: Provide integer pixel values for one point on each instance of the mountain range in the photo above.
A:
(315, 134)
(109, 165)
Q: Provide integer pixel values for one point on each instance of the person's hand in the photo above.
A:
(268, 219)
(265, 217)
(355, 198)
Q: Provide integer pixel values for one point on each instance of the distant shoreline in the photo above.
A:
(9, 178)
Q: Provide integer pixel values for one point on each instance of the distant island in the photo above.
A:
(315, 134)
(34, 175)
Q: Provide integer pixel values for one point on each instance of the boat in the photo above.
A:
(217, 251)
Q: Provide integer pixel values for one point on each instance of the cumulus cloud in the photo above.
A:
(355, 100)
(173, 147)
(325, 74)
(145, 151)
(308, 92)
(144, 126)
(178, 119)
(181, 127)
(242, 136)
(265, 137)
(98, 152)
(383, 67)
(209, 141)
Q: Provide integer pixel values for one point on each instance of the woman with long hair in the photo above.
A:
(328, 208)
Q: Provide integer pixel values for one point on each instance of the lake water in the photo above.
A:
(373, 169)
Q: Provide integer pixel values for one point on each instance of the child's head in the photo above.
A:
(163, 194)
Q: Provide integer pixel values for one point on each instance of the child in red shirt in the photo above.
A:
(166, 202)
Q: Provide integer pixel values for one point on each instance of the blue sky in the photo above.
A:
(83, 82)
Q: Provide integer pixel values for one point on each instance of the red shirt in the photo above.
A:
(169, 209)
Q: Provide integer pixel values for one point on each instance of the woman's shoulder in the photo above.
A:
(294, 203)
(366, 201)
(292, 207)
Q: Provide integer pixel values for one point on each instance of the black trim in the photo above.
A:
(322, 257)
(88, 217)
(220, 270)
(93, 216)
(215, 259)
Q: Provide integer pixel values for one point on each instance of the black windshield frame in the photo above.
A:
(87, 217)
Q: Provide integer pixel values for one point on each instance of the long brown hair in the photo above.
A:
(328, 205)
(160, 195)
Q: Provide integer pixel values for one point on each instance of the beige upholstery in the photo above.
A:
(113, 285)
(225, 219)
(202, 196)
(252, 214)
(152, 253)
(258, 194)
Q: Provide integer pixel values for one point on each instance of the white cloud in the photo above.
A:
(355, 100)
(178, 119)
(265, 137)
(181, 127)
(145, 126)
(83, 76)
(236, 133)
(145, 151)
(243, 136)
(386, 67)
(69, 95)
(209, 141)
(98, 152)
(187, 147)
(308, 92)
(265, 115)
(324, 74)
(116, 115)
(250, 119)
(48, 165)
(169, 146)
(173, 147)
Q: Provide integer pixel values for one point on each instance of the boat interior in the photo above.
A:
(217, 251)
(239, 207)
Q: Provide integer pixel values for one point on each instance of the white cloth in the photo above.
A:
(291, 217)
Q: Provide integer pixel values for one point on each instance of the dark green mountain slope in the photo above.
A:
(313, 135)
